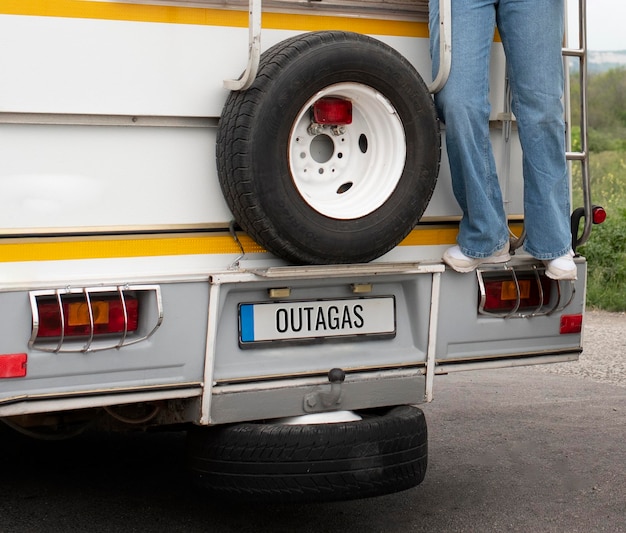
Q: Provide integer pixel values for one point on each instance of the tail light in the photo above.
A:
(13, 365)
(511, 292)
(523, 293)
(598, 214)
(82, 316)
(89, 319)
(333, 111)
(571, 324)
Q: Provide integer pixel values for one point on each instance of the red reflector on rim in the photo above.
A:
(332, 110)
(13, 365)
(571, 324)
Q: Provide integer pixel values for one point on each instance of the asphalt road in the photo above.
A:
(528, 450)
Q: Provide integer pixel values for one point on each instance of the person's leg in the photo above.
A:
(463, 105)
(532, 35)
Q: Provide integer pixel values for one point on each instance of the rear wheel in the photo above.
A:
(384, 452)
(329, 193)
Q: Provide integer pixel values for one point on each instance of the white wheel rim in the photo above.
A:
(350, 175)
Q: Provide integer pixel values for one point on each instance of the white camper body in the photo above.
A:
(128, 291)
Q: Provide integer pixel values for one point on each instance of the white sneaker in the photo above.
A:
(562, 267)
(455, 258)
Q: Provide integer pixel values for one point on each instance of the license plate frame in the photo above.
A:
(309, 321)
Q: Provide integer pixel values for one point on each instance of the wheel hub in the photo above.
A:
(348, 171)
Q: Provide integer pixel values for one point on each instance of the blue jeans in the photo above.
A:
(532, 33)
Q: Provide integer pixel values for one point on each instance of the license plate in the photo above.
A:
(311, 320)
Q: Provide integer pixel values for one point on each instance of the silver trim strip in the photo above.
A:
(25, 405)
(506, 363)
(71, 119)
(432, 336)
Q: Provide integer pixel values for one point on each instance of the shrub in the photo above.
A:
(606, 255)
(608, 181)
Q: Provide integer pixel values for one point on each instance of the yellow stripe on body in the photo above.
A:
(55, 249)
(438, 235)
(89, 9)
(431, 236)
(60, 249)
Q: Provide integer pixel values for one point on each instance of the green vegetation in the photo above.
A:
(606, 255)
(606, 248)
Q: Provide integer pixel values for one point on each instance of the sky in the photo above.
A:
(606, 20)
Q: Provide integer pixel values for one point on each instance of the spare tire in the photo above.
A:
(384, 452)
(320, 193)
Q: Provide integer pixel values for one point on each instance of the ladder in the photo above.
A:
(589, 212)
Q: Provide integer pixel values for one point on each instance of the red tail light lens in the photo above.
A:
(75, 316)
(332, 110)
(13, 365)
(571, 324)
(598, 214)
(501, 295)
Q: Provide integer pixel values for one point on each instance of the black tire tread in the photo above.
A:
(321, 462)
(236, 138)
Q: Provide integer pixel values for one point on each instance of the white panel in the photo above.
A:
(81, 176)
(93, 176)
(509, 168)
(134, 68)
(116, 67)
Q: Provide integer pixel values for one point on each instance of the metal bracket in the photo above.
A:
(323, 399)
(445, 47)
(254, 49)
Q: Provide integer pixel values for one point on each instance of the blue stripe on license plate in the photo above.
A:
(246, 313)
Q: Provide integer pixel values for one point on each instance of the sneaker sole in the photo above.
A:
(563, 275)
(470, 268)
